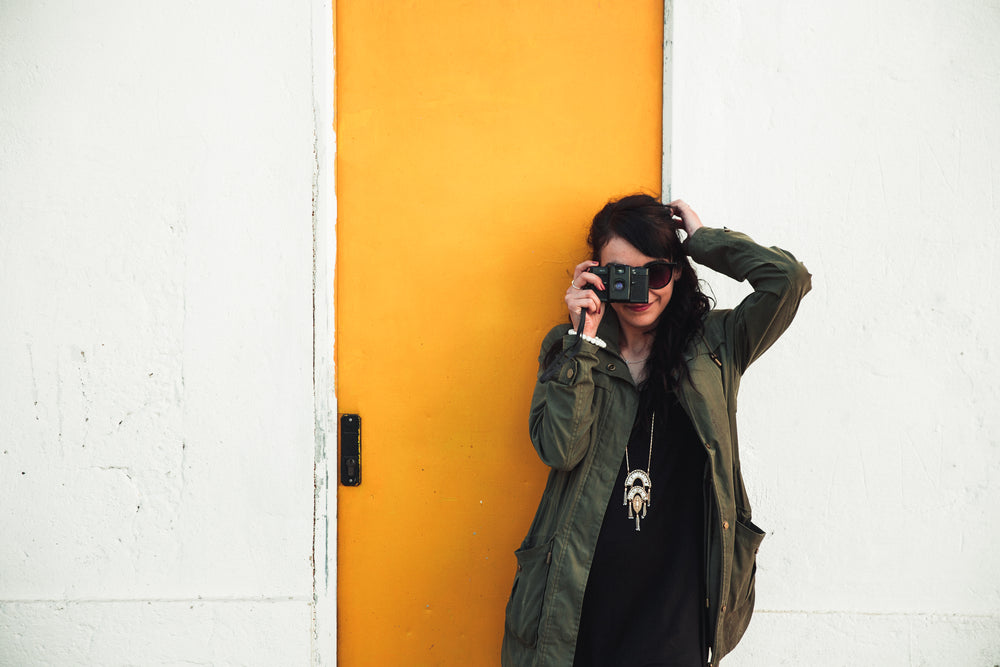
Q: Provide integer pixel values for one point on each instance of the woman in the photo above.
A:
(642, 549)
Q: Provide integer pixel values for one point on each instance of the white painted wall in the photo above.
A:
(864, 137)
(156, 398)
(156, 406)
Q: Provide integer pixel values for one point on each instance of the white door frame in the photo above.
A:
(324, 193)
(666, 177)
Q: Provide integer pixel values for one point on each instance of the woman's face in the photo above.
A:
(637, 316)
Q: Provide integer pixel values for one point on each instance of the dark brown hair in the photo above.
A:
(647, 224)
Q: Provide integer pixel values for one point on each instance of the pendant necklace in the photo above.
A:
(638, 486)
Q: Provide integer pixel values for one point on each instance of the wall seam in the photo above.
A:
(323, 636)
(666, 163)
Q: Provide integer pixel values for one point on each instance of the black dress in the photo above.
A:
(645, 600)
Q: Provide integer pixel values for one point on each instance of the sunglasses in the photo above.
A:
(660, 273)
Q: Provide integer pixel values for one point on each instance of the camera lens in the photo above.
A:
(619, 285)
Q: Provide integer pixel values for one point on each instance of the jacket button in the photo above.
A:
(725, 525)
(611, 367)
(569, 372)
(723, 609)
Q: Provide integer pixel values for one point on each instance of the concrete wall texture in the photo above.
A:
(862, 136)
(156, 408)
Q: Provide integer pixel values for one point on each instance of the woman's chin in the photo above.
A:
(638, 318)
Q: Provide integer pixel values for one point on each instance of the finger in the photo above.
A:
(680, 208)
(587, 278)
(582, 279)
(586, 300)
(576, 299)
(595, 311)
(582, 269)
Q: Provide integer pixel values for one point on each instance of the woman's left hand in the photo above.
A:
(684, 217)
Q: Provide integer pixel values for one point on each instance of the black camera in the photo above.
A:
(624, 283)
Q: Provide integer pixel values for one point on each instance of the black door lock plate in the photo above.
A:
(350, 450)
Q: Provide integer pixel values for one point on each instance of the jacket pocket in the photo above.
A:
(524, 608)
(741, 584)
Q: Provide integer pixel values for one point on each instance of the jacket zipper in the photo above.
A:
(707, 538)
(711, 624)
(708, 501)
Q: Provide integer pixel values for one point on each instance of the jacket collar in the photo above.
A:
(610, 332)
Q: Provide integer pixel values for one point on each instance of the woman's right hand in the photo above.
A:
(579, 298)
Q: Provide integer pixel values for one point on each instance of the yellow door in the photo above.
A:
(475, 142)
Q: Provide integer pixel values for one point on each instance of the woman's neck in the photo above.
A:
(635, 348)
(635, 343)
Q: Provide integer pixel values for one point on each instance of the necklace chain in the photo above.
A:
(649, 460)
(638, 497)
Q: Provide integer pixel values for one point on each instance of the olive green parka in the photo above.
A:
(579, 422)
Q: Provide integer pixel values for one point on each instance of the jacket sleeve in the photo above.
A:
(778, 279)
(562, 406)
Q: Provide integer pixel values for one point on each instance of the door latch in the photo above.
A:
(350, 450)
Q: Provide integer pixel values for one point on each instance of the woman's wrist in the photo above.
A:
(593, 340)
